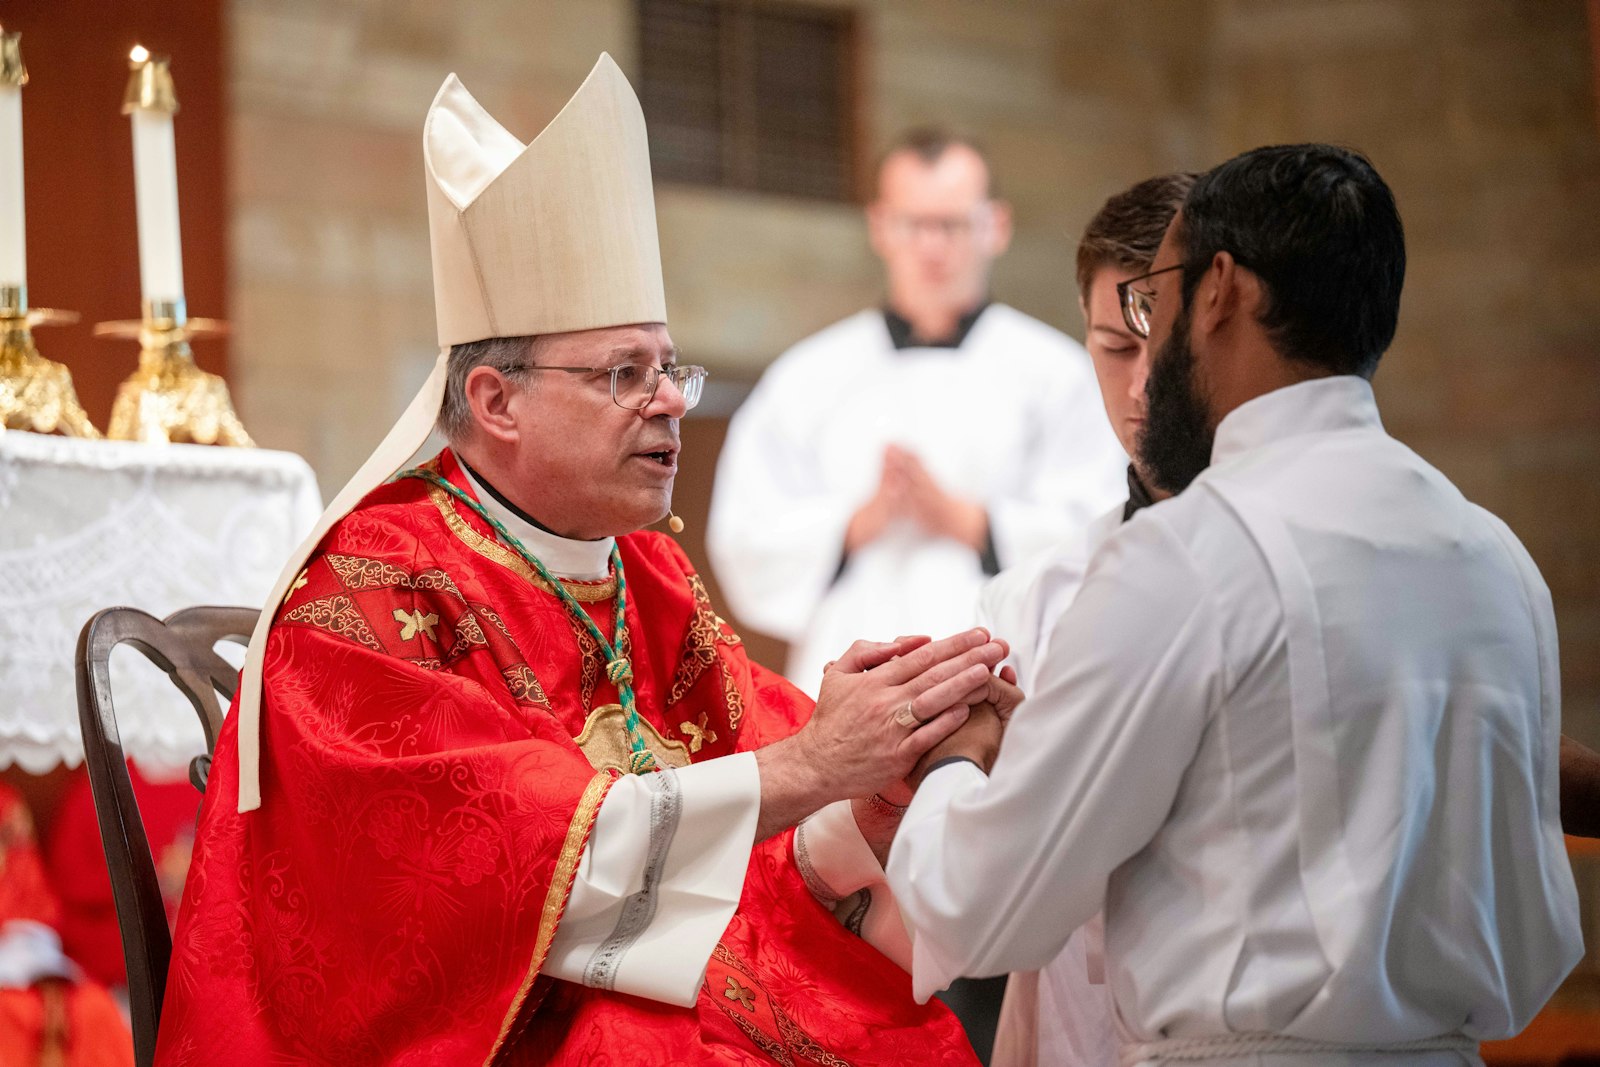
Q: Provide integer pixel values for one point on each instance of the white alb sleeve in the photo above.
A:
(659, 880)
(1085, 776)
(836, 862)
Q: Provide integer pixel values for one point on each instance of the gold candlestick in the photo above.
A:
(36, 394)
(169, 398)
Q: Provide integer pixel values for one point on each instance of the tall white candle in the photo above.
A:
(13, 235)
(155, 183)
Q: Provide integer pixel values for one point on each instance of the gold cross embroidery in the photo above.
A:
(411, 622)
(746, 997)
(300, 580)
(698, 735)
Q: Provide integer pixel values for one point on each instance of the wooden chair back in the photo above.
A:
(184, 646)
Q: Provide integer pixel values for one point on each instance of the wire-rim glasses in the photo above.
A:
(1137, 303)
(633, 385)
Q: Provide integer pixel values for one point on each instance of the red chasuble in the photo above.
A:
(426, 801)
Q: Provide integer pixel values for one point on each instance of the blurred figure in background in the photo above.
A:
(882, 468)
(51, 1014)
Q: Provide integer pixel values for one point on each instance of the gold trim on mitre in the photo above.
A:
(604, 741)
(555, 236)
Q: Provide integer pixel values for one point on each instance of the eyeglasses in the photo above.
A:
(1137, 304)
(633, 385)
(954, 229)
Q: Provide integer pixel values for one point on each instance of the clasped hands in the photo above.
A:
(888, 710)
(907, 491)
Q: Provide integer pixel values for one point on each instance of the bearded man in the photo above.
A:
(500, 786)
(1298, 730)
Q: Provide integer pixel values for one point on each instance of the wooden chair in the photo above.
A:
(183, 645)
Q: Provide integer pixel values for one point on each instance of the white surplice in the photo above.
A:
(665, 864)
(1298, 734)
(1011, 419)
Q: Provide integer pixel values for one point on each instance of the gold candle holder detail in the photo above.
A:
(169, 399)
(36, 394)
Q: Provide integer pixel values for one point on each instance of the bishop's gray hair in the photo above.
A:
(508, 355)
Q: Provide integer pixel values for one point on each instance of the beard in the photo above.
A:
(1175, 444)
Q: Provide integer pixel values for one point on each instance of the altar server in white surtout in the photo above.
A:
(882, 468)
(1298, 730)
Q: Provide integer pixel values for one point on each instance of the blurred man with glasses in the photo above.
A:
(882, 468)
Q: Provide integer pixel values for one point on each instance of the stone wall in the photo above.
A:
(1481, 113)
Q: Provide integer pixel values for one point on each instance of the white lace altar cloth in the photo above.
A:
(86, 525)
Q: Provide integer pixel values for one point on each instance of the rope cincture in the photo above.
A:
(618, 670)
(1219, 1046)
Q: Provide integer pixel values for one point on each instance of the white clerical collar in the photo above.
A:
(1320, 405)
(563, 557)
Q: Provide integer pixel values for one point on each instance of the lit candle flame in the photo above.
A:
(139, 54)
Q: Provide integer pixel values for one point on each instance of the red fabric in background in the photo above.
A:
(75, 1019)
(76, 863)
(24, 889)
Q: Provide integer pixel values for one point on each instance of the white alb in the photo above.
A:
(1297, 733)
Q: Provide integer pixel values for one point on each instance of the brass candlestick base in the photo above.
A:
(169, 398)
(36, 394)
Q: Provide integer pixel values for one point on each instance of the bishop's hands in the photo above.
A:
(882, 707)
(977, 739)
(907, 491)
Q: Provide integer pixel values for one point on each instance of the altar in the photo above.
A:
(90, 524)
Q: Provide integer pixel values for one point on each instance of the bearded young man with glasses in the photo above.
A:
(1297, 732)
(500, 786)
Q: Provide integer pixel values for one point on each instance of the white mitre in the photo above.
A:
(549, 237)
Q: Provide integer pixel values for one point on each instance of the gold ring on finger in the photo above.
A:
(906, 717)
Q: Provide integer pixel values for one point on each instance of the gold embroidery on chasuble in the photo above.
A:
(339, 615)
(469, 635)
(745, 997)
(589, 652)
(359, 573)
(699, 734)
(488, 547)
(555, 902)
(415, 622)
(524, 685)
(604, 741)
(593, 662)
(735, 989)
(706, 630)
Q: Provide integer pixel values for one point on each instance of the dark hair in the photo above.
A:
(929, 144)
(1127, 229)
(1320, 229)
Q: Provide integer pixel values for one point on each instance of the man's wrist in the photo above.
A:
(951, 751)
(793, 784)
(948, 760)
